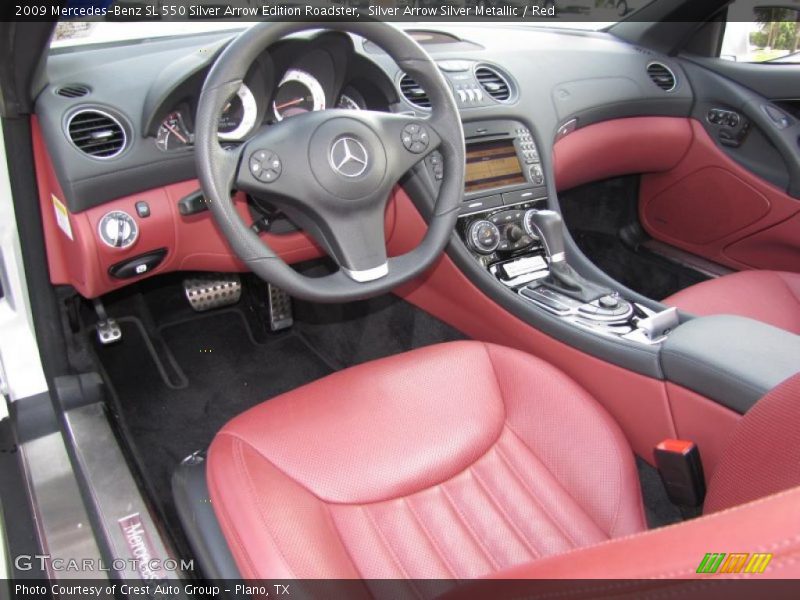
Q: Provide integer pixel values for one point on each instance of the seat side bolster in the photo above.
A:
(290, 533)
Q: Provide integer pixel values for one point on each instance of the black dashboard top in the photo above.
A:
(151, 90)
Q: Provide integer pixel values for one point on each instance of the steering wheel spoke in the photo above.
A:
(357, 242)
(271, 165)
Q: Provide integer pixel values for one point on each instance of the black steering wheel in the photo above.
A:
(332, 171)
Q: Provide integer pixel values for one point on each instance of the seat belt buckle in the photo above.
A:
(681, 470)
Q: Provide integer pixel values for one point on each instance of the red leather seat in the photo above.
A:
(772, 297)
(452, 461)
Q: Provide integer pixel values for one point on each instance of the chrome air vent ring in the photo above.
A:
(97, 133)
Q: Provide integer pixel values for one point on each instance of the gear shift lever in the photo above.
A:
(563, 277)
(550, 229)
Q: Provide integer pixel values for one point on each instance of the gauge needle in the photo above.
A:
(289, 103)
(176, 133)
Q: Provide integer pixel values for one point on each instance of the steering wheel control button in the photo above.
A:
(349, 157)
(118, 229)
(415, 138)
(265, 166)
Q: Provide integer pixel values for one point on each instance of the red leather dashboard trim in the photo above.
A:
(193, 243)
(620, 147)
(713, 207)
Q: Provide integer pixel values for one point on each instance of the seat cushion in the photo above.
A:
(451, 461)
(771, 297)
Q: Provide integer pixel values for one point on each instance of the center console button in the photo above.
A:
(481, 204)
(519, 196)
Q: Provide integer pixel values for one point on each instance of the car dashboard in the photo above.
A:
(119, 191)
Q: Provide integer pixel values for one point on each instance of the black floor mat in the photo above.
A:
(226, 373)
(642, 271)
(349, 334)
(603, 220)
(657, 506)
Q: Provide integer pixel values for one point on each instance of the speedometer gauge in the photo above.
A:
(238, 116)
(298, 92)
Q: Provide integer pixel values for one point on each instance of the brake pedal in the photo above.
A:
(108, 330)
(280, 309)
(206, 292)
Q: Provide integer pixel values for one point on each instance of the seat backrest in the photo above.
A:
(762, 456)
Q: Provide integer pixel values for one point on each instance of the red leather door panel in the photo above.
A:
(711, 206)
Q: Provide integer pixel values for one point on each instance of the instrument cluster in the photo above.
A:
(297, 92)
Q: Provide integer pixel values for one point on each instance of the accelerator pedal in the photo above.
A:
(215, 290)
(280, 309)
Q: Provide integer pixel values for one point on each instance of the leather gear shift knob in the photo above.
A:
(551, 232)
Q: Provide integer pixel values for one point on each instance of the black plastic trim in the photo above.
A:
(200, 524)
(731, 360)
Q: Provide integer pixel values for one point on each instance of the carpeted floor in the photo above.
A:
(603, 220)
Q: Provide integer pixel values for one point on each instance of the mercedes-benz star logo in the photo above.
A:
(349, 157)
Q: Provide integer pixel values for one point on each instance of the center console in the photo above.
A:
(507, 228)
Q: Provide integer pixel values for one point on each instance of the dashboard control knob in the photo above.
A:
(527, 223)
(514, 233)
(483, 237)
(536, 174)
(118, 229)
(608, 302)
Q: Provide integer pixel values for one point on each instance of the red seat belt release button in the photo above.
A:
(681, 471)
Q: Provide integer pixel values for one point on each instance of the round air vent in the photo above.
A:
(412, 92)
(73, 90)
(662, 76)
(493, 83)
(96, 133)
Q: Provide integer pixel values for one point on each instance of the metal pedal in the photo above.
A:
(108, 330)
(206, 292)
(280, 309)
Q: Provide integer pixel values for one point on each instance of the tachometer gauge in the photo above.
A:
(298, 92)
(238, 116)
(172, 133)
(347, 103)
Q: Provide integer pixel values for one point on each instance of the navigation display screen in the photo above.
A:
(492, 165)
